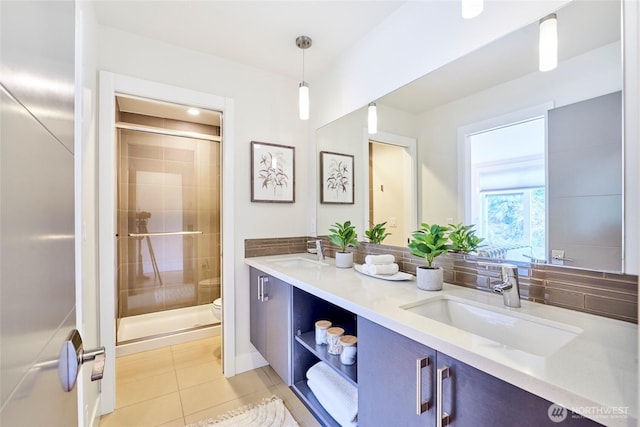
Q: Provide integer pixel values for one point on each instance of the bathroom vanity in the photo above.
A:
(420, 363)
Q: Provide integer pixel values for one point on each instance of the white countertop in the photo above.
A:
(596, 374)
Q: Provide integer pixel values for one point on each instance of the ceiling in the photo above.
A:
(582, 26)
(260, 34)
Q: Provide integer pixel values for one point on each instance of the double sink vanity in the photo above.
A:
(458, 356)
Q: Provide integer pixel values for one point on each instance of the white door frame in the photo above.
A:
(110, 85)
(409, 175)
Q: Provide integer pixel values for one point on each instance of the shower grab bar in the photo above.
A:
(165, 233)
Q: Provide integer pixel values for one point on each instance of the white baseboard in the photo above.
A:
(248, 361)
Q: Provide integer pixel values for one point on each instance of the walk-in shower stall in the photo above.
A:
(168, 219)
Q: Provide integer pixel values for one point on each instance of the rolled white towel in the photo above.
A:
(380, 259)
(381, 269)
(337, 395)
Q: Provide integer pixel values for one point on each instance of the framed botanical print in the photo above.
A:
(272, 173)
(336, 178)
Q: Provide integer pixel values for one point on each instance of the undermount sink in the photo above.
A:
(503, 327)
(298, 262)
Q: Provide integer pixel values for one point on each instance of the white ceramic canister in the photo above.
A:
(321, 331)
(349, 349)
(333, 340)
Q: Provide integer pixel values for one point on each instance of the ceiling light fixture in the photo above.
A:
(372, 118)
(303, 42)
(193, 112)
(472, 8)
(548, 43)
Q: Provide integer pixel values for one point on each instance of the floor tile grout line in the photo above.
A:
(175, 372)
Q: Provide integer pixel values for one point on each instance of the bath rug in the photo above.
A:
(271, 412)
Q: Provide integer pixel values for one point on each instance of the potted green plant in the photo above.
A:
(377, 233)
(344, 236)
(463, 238)
(428, 243)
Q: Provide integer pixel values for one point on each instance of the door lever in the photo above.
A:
(72, 356)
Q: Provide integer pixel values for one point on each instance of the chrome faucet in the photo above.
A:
(509, 287)
(319, 249)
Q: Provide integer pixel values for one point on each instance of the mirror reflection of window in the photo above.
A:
(507, 165)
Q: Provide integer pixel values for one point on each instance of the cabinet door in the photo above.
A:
(257, 313)
(277, 327)
(389, 378)
(474, 398)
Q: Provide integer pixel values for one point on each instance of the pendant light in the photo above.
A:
(372, 118)
(472, 8)
(303, 42)
(548, 43)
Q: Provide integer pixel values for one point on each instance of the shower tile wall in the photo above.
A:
(167, 183)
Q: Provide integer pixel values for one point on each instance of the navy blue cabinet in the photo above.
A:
(270, 321)
(399, 378)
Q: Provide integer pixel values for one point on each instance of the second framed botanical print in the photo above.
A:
(336, 178)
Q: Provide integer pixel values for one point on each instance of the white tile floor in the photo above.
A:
(182, 384)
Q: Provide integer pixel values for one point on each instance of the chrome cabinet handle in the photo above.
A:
(261, 294)
(421, 407)
(442, 418)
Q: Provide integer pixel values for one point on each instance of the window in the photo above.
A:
(507, 174)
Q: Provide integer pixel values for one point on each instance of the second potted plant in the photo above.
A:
(344, 236)
(428, 243)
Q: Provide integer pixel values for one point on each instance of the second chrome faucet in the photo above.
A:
(509, 286)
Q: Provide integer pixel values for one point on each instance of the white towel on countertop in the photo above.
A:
(380, 259)
(380, 269)
(337, 395)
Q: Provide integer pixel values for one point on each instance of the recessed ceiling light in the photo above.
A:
(193, 111)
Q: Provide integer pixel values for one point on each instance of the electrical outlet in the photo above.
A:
(393, 222)
(312, 227)
(557, 257)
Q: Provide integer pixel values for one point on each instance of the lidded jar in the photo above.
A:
(321, 331)
(333, 340)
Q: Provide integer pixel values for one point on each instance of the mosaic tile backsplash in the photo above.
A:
(605, 294)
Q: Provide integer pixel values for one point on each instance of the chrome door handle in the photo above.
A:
(421, 407)
(442, 418)
(72, 356)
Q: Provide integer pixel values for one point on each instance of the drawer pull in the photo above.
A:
(442, 418)
(421, 407)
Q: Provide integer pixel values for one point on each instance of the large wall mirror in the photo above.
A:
(533, 159)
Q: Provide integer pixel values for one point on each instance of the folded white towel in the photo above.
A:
(380, 259)
(380, 269)
(337, 395)
(328, 403)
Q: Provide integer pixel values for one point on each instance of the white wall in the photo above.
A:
(593, 74)
(265, 109)
(347, 136)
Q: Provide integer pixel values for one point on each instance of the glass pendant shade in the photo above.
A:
(472, 8)
(372, 119)
(548, 43)
(303, 101)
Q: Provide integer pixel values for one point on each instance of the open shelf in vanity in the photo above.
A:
(307, 309)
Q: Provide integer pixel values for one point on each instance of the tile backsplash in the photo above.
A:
(605, 294)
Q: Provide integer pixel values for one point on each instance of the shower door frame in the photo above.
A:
(112, 84)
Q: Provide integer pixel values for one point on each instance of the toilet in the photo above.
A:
(217, 309)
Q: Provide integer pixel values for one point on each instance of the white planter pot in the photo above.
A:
(429, 279)
(344, 259)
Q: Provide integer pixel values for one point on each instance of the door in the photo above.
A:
(395, 378)
(37, 269)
